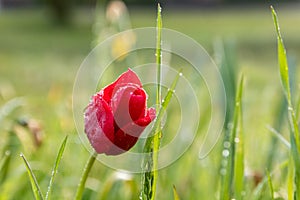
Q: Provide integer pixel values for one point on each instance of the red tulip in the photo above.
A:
(117, 115)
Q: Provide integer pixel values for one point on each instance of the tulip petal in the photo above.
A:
(120, 105)
(123, 142)
(126, 78)
(99, 124)
(144, 121)
(137, 104)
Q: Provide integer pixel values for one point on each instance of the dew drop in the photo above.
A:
(229, 125)
(236, 140)
(180, 74)
(223, 171)
(226, 144)
(224, 162)
(225, 153)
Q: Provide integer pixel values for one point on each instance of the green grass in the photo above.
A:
(39, 60)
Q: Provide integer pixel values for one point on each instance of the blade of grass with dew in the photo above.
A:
(293, 125)
(149, 177)
(225, 58)
(270, 185)
(176, 196)
(282, 59)
(158, 55)
(34, 184)
(148, 163)
(84, 176)
(56, 164)
(4, 164)
(228, 176)
(284, 73)
(238, 140)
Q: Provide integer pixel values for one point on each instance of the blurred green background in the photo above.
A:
(42, 45)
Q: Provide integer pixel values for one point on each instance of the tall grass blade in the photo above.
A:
(149, 165)
(290, 179)
(34, 184)
(84, 176)
(176, 196)
(296, 159)
(237, 141)
(225, 58)
(158, 54)
(270, 185)
(55, 167)
(149, 177)
(157, 135)
(233, 172)
(293, 124)
(282, 59)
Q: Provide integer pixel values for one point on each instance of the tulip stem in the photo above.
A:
(85, 174)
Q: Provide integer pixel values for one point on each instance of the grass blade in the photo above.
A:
(233, 175)
(279, 136)
(290, 179)
(4, 164)
(176, 196)
(34, 184)
(56, 164)
(293, 124)
(237, 141)
(257, 193)
(84, 176)
(282, 59)
(150, 164)
(158, 55)
(270, 185)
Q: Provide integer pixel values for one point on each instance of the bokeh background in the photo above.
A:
(43, 43)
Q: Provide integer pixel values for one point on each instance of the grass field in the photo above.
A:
(39, 61)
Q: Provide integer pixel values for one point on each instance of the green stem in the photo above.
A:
(157, 136)
(85, 174)
(158, 56)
